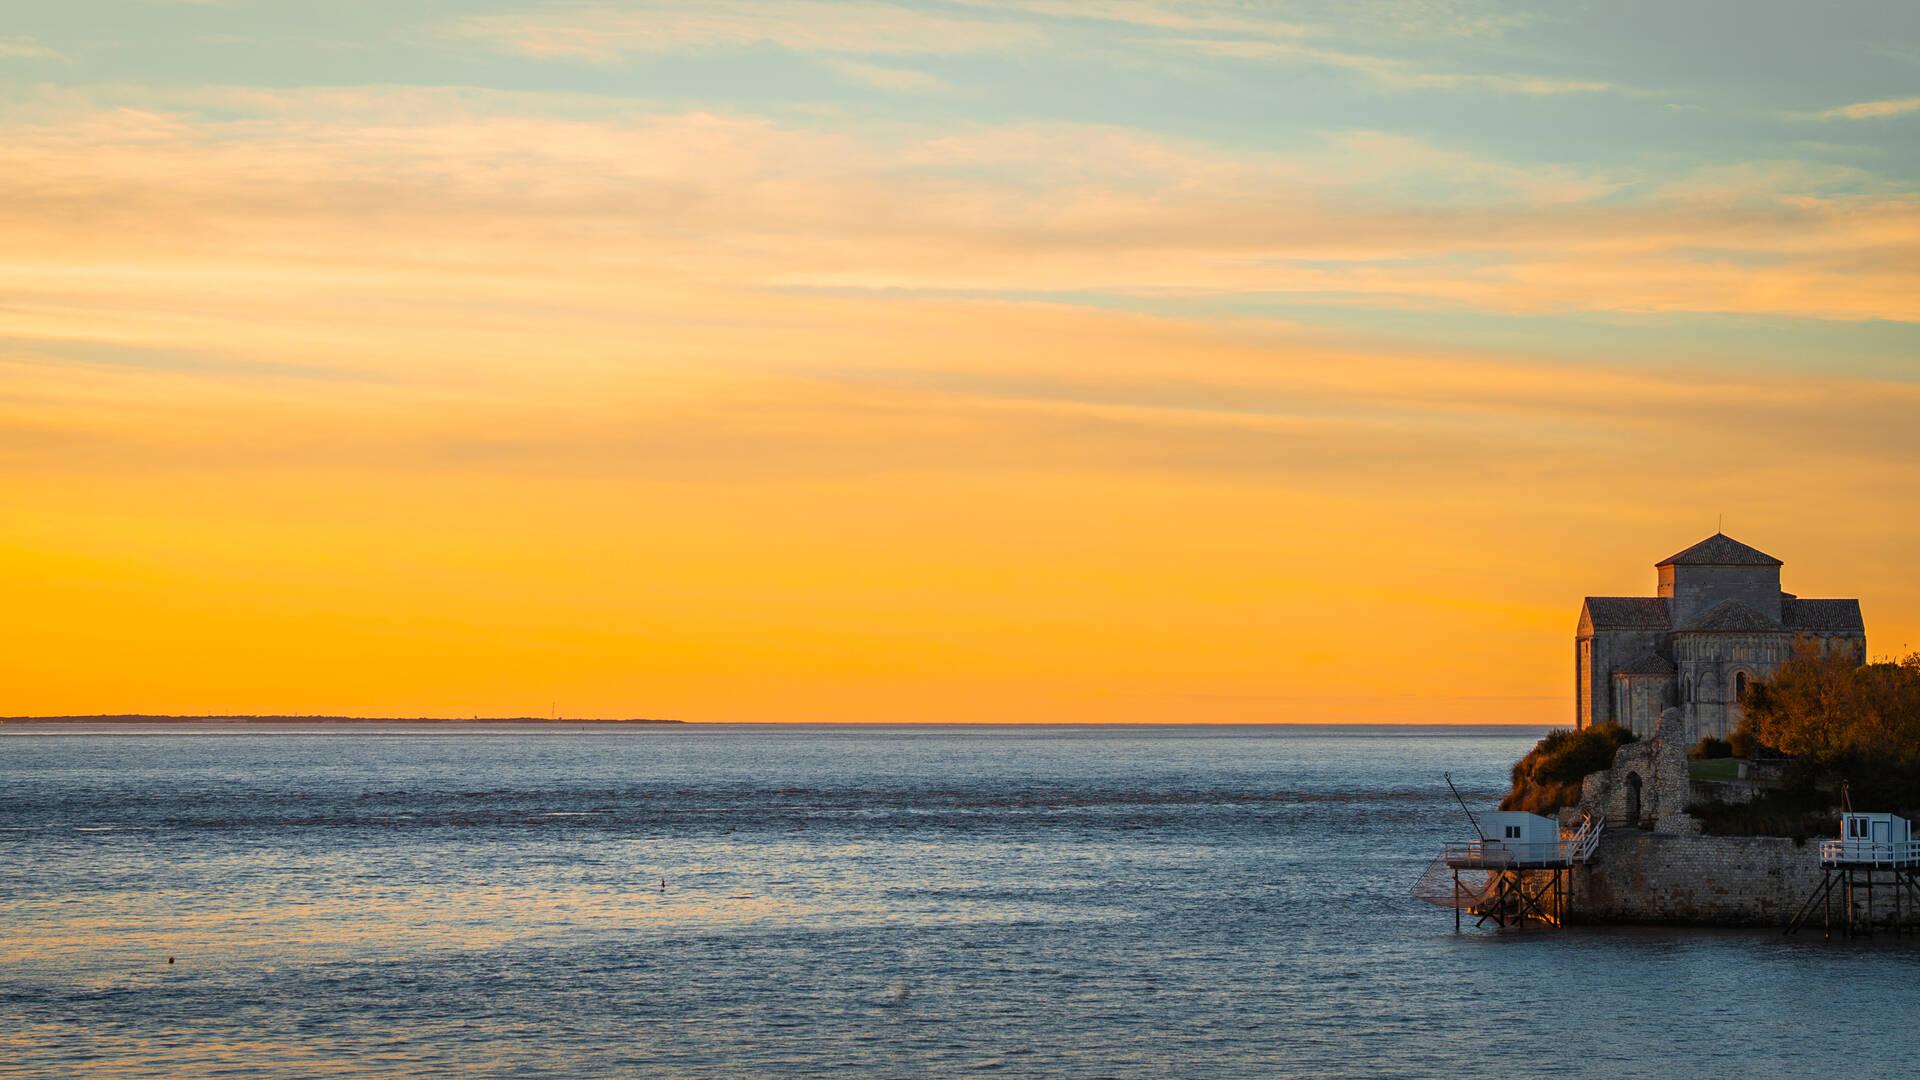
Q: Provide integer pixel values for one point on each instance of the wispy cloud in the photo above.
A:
(27, 48)
(602, 34)
(1870, 110)
(1389, 72)
(337, 184)
(1150, 14)
(1343, 18)
(892, 79)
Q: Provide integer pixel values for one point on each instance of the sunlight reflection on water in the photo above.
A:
(1061, 902)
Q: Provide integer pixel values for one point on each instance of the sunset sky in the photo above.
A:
(1009, 360)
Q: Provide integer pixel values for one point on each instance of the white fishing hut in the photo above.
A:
(1871, 840)
(1512, 838)
(1869, 844)
(1520, 869)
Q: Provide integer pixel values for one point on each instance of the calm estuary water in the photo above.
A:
(891, 902)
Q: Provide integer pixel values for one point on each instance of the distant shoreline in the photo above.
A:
(243, 720)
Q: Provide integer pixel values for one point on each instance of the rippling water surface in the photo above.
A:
(811, 901)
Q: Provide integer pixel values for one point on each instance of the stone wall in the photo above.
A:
(1648, 877)
(1711, 667)
(1647, 786)
(1694, 589)
(1652, 865)
(1643, 698)
(1596, 658)
(1723, 791)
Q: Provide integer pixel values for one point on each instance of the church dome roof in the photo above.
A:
(1719, 550)
(1732, 617)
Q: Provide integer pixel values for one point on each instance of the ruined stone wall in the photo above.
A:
(1647, 786)
(1649, 877)
(1654, 867)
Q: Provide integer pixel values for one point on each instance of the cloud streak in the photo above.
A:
(605, 35)
(1395, 74)
(891, 79)
(1871, 110)
(318, 189)
(27, 48)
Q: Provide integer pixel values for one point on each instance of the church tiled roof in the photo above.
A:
(1627, 612)
(1650, 664)
(1732, 617)
(1720, 550)
(1823, 616)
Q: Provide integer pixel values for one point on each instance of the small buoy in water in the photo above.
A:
(663, 884)
(169, 959)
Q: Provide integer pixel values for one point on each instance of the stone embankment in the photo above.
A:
(1654, 866)
(1640, 876)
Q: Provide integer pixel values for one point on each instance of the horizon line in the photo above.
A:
(323, 718)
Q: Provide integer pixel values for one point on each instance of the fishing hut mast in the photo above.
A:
(1520, 868)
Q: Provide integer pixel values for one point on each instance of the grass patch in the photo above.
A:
(1796, 812)
(1725, 768)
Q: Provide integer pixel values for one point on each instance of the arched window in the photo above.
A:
(1740, 686)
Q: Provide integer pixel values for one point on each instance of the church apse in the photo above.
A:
(1718, 622)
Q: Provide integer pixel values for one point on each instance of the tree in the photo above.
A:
(1803, 710)
(1842, 720)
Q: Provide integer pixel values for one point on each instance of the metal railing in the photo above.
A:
(1857, 852)
(1587, 839)
(1494, 853)
(1502, 853)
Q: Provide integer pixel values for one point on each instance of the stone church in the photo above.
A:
(1719, 622)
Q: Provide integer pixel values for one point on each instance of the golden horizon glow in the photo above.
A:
(372, 398)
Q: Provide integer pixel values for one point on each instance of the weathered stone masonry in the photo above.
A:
(1652, 866)
(1651, 877)
(1718, 622)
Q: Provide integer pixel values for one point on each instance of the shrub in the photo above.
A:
(1710, 747)
(1549, 777)
(1741, 743)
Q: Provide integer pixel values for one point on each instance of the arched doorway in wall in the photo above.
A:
(1633, 798)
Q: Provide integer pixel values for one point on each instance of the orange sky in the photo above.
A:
(444, 399)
